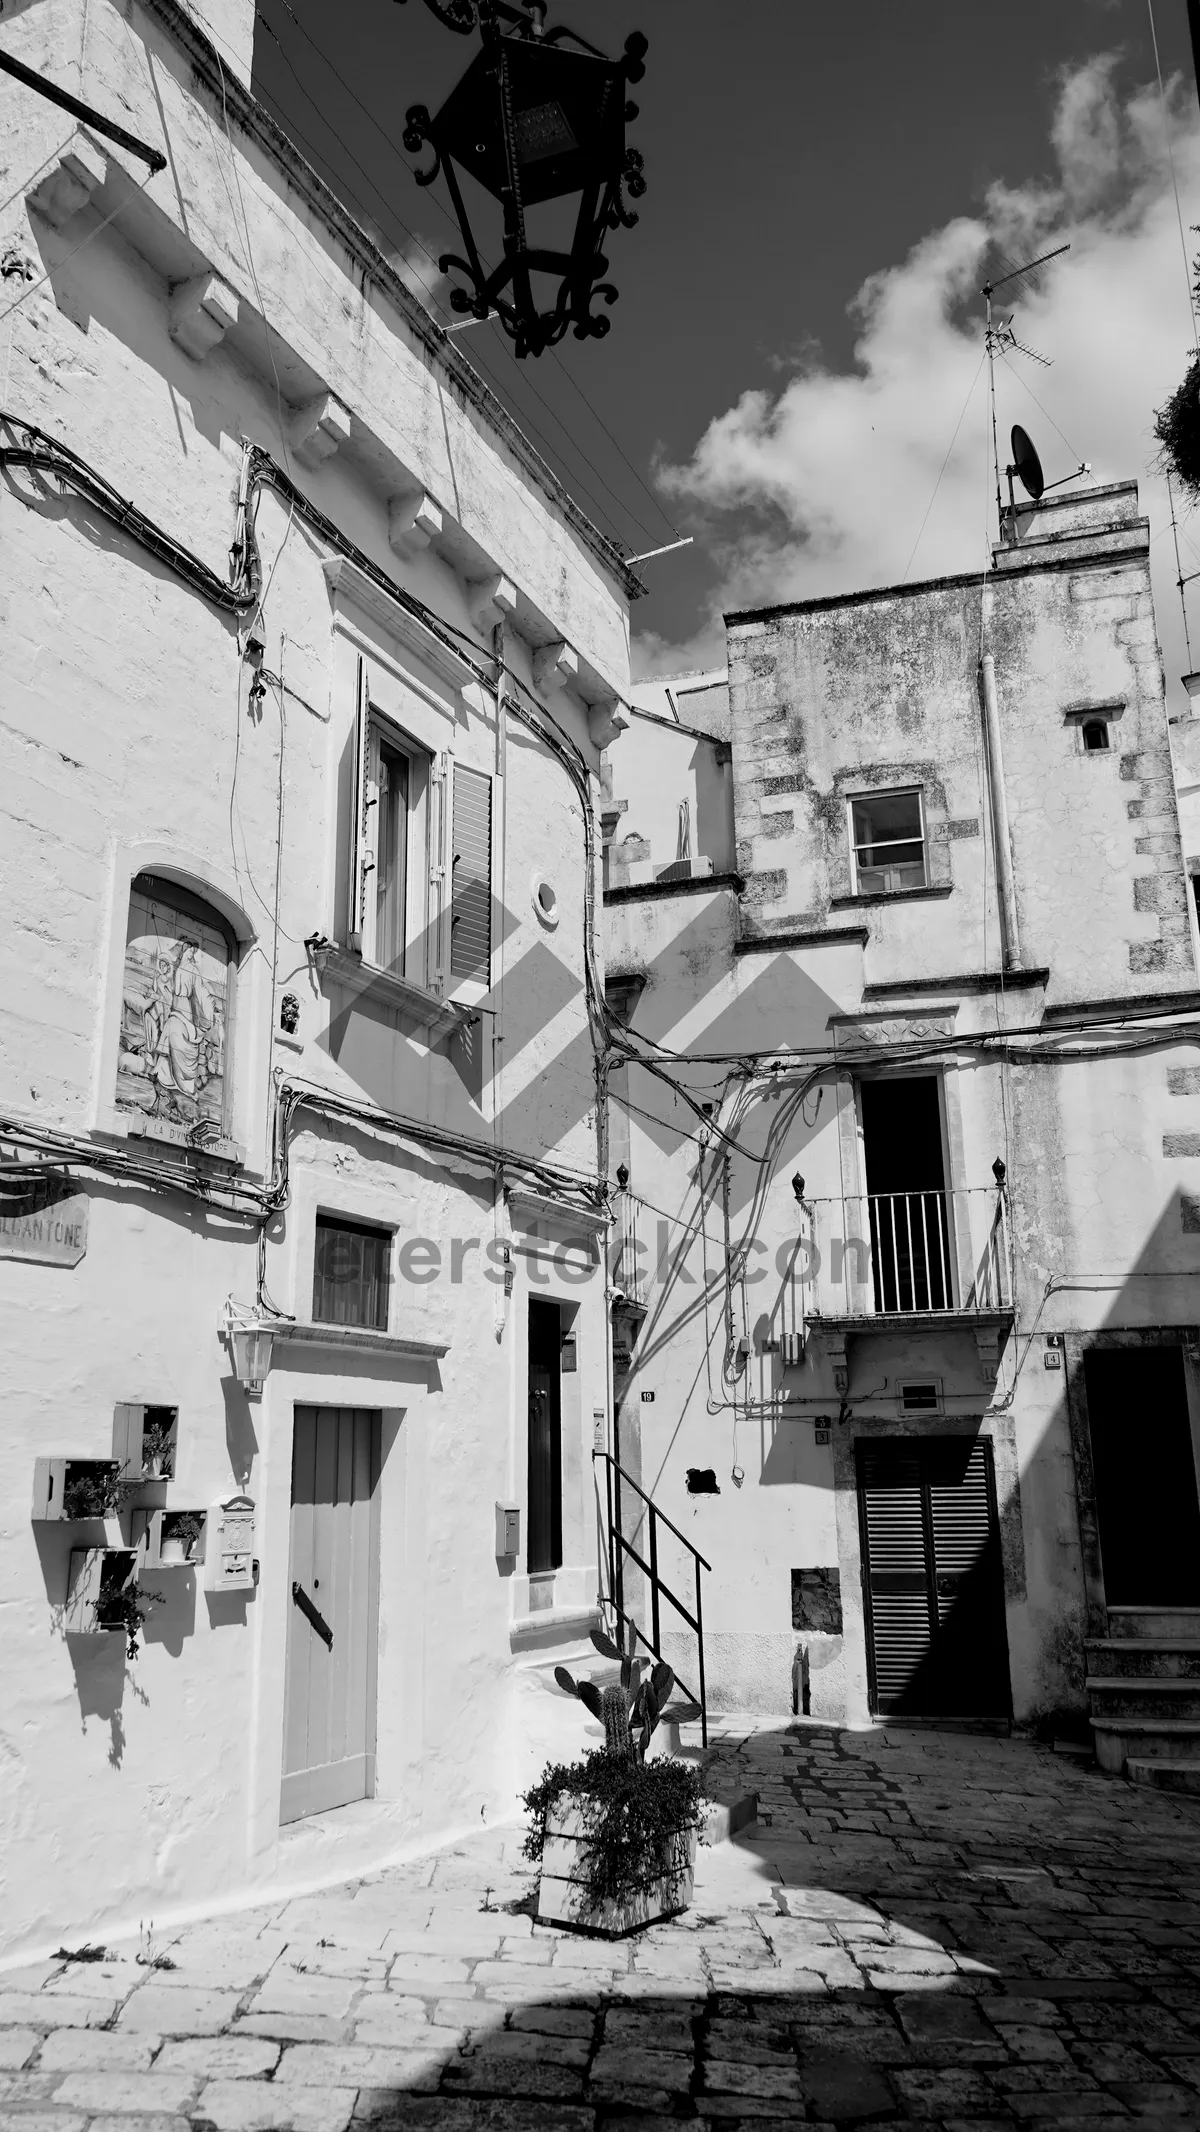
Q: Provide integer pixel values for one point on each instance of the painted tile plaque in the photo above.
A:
(171, 1059)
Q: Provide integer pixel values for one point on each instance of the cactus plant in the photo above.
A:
(630, 1708)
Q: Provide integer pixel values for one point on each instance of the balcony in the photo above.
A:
(899, 1261)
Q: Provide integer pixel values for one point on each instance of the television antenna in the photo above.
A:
(998, 338)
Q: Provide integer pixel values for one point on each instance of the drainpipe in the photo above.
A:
(1009, 927)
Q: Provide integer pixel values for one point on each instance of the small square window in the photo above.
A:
(888, 832)
(1095, 735)
(351, 1275)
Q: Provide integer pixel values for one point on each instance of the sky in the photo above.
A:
(793, 373)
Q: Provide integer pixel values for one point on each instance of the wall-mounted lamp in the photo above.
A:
(622, 1177)
(798, 1187)
(250, 1345)
(999, 1171)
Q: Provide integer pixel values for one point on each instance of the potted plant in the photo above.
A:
(158, 1444)
(91, 1489)
(615, 1835)
(181, 1535)
(122, 1603)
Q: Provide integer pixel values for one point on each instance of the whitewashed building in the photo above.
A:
(308, 660)
(908, 1343)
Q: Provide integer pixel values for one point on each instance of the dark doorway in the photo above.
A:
(1144, 1472)
(906, 1193)
(545, 1437)
(933, 1582)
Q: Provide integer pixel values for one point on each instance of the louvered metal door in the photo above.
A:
(932, 1578)
(471, 877)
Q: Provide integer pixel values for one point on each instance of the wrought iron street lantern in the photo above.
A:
(538, 116)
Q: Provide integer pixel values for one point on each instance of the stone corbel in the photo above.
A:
(606, 720)
(69, 184)
(413, 522)
(555, 666)
(987, 1342)
(317, 429)
(491, 600)
(200, 314)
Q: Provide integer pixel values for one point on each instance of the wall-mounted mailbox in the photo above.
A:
(229, 1546)
(508, 1530)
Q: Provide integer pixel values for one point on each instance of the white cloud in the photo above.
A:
(822, 486)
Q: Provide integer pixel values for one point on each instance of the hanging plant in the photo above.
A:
(123, 1606)
(92, 1489)
(1177, 427)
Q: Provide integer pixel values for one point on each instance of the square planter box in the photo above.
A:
(157, 1532)
(95, 1571)
(54, 1478)
(136, 1430)
(664, 1891)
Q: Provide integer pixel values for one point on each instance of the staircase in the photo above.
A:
(1144, 1695)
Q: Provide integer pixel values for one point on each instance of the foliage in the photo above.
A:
(92, 1491)
(158, 1449)
(86, 1953)
(185, 1526)
(1177, 427)
(637, 1816)
(123, 1606)
(630, 1710)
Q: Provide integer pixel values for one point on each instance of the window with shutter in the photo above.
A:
(471, 876)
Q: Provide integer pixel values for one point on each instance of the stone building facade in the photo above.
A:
(910, 1338)
(303, 1165)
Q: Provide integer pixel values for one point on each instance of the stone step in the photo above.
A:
(1163, 1739)
(1173, 1622)
(1144, 1697)
(1164, 1776)
(1111, 1657)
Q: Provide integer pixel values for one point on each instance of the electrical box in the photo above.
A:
(229, 1546)
(791, 1350)
(508, 1530)
(598, 1429)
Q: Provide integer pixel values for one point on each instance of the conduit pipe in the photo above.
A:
(1009, 926)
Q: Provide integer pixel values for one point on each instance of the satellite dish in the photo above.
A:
(1026, 465)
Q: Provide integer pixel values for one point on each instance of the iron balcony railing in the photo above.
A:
(906, 1253)
(616, 1478)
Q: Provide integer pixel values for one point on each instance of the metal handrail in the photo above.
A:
(619, 1546)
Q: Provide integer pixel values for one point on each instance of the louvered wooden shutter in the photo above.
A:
(471, 876)
(361, 857)
(897, 1573)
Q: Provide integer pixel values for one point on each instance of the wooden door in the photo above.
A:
(1144, 1471)
(333, 1611)
(932, 1578)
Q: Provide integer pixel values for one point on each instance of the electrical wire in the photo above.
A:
(1162, 99)
(32, 288)
(945, 463)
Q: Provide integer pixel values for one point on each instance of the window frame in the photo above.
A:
(331, 1219)
(418, 954)
(888, 792)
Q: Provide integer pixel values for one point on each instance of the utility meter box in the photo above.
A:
(791, 1350)
(229, 1563)
(508, 1530)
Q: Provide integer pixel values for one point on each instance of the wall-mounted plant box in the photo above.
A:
(146, 1441)
(96, 1579)
(171, 1539)
(75, 1488)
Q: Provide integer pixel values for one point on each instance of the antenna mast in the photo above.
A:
(1001, 337)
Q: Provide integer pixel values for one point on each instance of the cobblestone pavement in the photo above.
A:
(930, 1929)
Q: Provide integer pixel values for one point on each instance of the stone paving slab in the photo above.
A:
(949, 1932)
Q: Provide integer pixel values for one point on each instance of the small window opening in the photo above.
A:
(920, 1398)
(351, 1275)
(889, 842)
(701, 1480)
(1095, 734)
